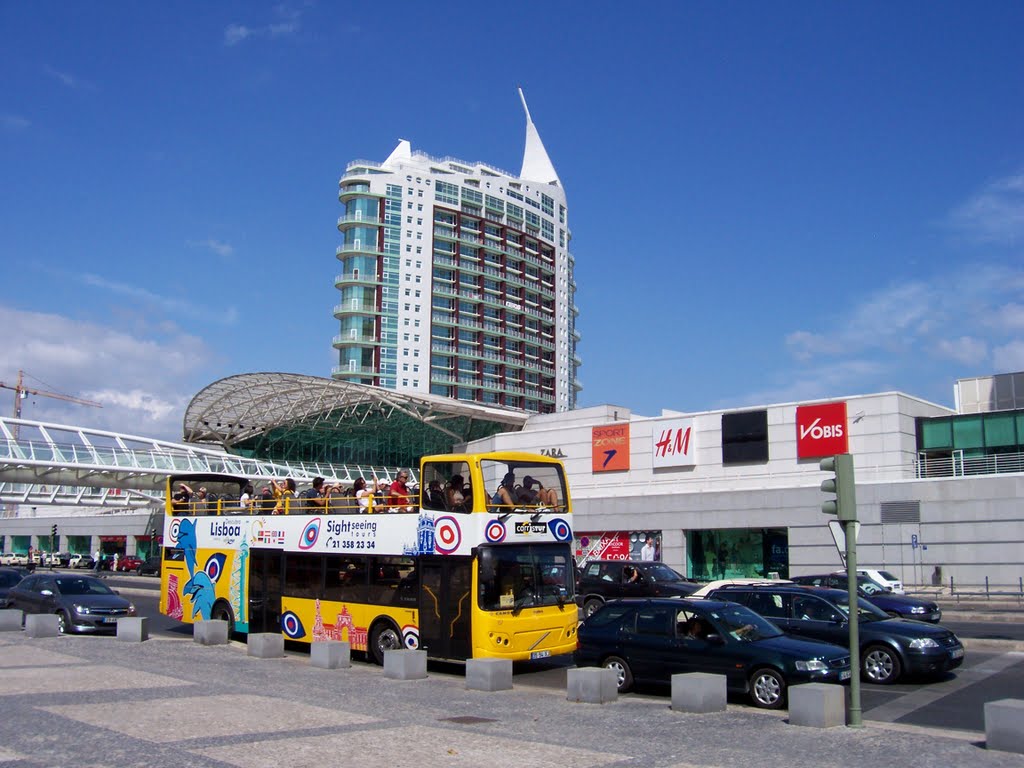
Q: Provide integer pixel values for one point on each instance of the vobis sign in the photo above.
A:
(821, 430)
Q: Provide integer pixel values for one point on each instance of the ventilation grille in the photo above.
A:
(901, 512)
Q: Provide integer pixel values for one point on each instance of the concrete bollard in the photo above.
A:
(592, 685)
(330, 654)
(265, 645)
(42, 625)
(700, 692)
(405, 665)
(818, 705)
(11, 620)
(210, 632)
(1004, 725)
(489, 674)
(133, 629)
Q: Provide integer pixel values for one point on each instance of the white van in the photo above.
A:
(884, 579)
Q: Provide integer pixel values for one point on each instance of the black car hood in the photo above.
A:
(895, 602)
(674, 588)
(804, 649)
(905, 628)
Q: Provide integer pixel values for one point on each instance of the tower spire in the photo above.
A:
(536, 163)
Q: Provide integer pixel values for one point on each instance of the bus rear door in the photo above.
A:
(444, 606)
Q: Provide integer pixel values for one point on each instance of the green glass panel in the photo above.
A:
(936, 433)
(1000, 429)
(967, 432)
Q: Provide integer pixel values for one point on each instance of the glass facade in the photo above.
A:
(735, 553)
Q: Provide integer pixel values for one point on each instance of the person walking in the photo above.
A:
(96, 562)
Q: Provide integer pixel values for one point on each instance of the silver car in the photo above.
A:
(81, 603)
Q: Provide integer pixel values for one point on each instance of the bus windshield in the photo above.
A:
(515, 577)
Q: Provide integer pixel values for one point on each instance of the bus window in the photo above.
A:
(521, 576)
(346, 579)
(445, 486)
(303, 575)
(385, 575)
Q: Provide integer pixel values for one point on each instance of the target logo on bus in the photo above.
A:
(292, 625)
(560, 529)
(215, 566)
(495, 532)
(175, 527)
(310, 534)
(447, 534)
(411, 637)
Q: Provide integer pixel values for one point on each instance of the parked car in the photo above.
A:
(59, 559)
(150, 566)
(13, 559)
(649, 640)
(884, 579)
(81, 561)
(602, 580)
(889, 648)
(82, 603)
(9, 577)
(904, 606)
(129, 563)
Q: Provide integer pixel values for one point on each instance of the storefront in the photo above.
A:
(734, 553)
(616, 545)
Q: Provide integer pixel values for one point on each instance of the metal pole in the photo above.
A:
(850, 528)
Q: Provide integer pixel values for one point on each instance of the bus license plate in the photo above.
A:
(540, 654)
(844, 675)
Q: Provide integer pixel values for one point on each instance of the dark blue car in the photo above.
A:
(904, 606)
(889, 648)
(649, 640)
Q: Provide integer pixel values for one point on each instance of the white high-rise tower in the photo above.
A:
(457, 279)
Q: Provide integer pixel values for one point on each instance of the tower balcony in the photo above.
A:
(344, 222)
(349, 249)
(355, 278)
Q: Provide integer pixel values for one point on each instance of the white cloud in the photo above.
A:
(143, 384)
(69, 80)
(1009, 358)
(217, 246)
(1009, 317)
(966, 350)
(14, 122)
(170, 303)
(996, 214)
(288, 26)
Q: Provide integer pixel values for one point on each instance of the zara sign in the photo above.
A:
(821, 430)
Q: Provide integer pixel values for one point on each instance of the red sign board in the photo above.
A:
(821, 430)
(611, 545)
(609, 448)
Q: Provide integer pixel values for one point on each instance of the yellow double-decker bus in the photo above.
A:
(476, 562)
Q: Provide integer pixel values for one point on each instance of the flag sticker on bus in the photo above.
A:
(447, 534)
(495, 531)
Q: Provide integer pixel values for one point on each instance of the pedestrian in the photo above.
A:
(31, 565)
(96, 562)
(116, 558)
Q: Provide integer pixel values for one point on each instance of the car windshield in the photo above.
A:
(661, 573)
(80, 586)
(865, 610)
(515, 577)
(740, 623)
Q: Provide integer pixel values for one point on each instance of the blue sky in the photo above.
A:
(769, 202)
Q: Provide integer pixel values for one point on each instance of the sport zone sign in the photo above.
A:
(821, 430)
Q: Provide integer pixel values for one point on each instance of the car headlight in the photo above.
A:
(919, 609)
(82, 609)
(923, 642)
(811, 665)
(131, 609)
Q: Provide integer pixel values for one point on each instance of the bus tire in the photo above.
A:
(222, 611)
(384, 636)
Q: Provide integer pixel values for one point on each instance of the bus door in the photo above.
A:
(446, 600)
(264, 590)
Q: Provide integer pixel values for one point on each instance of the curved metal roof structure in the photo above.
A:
(297, 417)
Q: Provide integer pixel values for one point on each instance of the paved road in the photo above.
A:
(956, 702)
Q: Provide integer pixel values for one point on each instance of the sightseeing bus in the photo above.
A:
(484, 572)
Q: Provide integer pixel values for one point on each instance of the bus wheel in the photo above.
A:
(383, 637)
(222, 612)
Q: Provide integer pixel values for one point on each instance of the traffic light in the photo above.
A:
(53, 531)
(844, 505)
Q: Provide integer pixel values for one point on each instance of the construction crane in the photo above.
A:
(21, 392)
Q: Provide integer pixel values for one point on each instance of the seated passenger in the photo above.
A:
(534, 492)
(434, 498)
(505, 495)
(455, 494)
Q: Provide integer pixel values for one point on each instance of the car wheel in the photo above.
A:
(63, 622)
(591, 606)
(623, 676)
(767, 689)
(881, 665)
(384, 637)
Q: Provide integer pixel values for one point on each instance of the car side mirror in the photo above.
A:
(713, 638)
(46, 592)
(838, 619)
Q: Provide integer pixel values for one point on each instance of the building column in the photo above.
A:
(673, 549)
